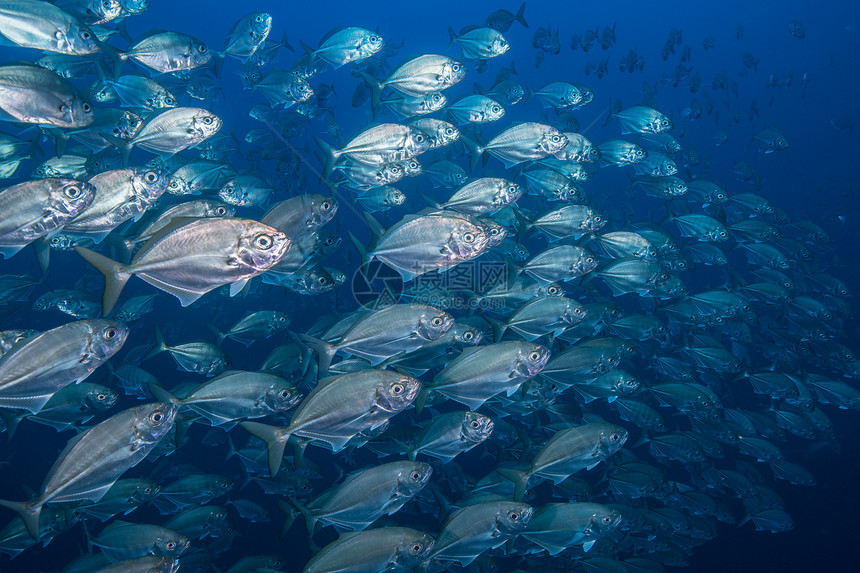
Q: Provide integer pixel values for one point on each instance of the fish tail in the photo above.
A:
(310, 520)
(330, 156)
(11, 420)
(115, 277)
(610, 116)
(285, 43)
(475, 151)
(220, 336)
(276, 440)
(117, 57)
(521, 17)
(520, 479)
(61, 139)
(290, 515)
(365, 258)
(498, 328)
(421, 399)
(452, 36)
(325, 351)
(160, 346)
(375, 87)
(29, 511)
(218, 62)
(162, 395)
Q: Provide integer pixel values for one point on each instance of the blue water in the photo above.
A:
(814, 180)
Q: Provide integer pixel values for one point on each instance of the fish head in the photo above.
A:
(283, 397)
(127, 125)
(69, 198)
(469, 335)
(155, 422)
(433, 324)
(552, 141)
(444, 135)
(476, 427)
(499, 45)
(394, 197)
(170, 545)
(178, 186)
(396, 394)
(101, 398)
(278, 322)
(77, 39)
(260, 246)
(75, 111)
(145, 491)
(233, 194)
(532, 360)
(611, 440)
(260, 24)
(104, 10)
(508, 192)
(467, 240)
(106, 338)
(213, 209)
(205, 124)
(496, 232)
(149, 184)
(371, 43)
(413, 550)
(414, 477)
(321, 209)
(417, 142)
(514, 517)
(452, 72)
(573, 313)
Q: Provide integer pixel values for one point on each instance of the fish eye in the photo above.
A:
(556, 138)
(283, 394)
(86, 35)
(495, 109)
(415, 476)
(201, 48)
(101, 397)
(86, 107)
(321, 280)
(416, 548)
(263, 242)
(449, 131)
(514, 516)
(151, 177)
(397, 389)
(469, 237)
(207, 120)
(468, 336)
(221, 211)
(475, 424)
(156, 418)
(577, 310)
(534, 356)
(598, 218)
(607, 520)
(456, 67)
(73, 192)
(326, 205)
(589, 260)
(614, 437)
(111, 333)
(419, 138)
(171, 545)
(259, 18)
(437, 321)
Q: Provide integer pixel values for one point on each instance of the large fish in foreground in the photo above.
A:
(95, 459)
(36, 368)
(189, 259)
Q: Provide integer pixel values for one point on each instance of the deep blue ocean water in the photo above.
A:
(814, 179)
